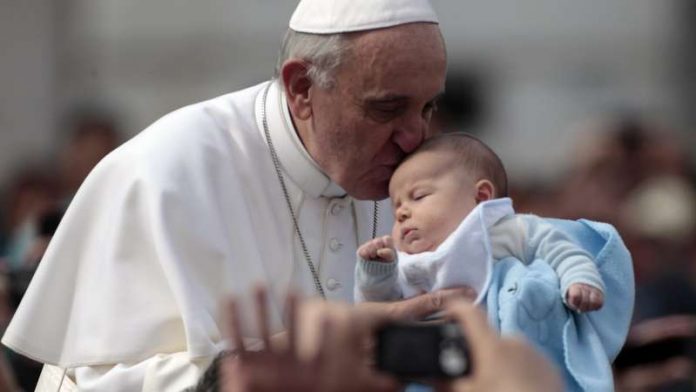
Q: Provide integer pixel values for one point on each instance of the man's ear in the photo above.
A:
(484, 191)
(297, 88)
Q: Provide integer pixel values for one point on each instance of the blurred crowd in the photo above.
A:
(31, 206)
(626, 171)
(639, 177)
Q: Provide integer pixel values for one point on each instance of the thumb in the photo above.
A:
(473, 322)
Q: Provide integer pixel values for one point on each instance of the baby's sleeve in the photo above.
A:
(541, 240)
(376, 281)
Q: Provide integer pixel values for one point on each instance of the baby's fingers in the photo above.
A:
(368, 250)
(596, 299)
(584, 298)
(388, 241)
(574, 298)
(386, 254)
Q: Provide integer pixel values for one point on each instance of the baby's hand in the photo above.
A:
(378, 249)
(584, 298)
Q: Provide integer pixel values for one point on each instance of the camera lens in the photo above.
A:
(452, 359)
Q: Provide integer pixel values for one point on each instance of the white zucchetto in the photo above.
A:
(343, 16)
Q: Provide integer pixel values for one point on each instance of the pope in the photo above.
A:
(276, 184)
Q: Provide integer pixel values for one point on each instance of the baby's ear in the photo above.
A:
(484, 191)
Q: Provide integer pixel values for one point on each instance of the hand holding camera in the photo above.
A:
(327, 350)
(422, 351)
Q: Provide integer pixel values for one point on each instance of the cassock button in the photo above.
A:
(335, 245)
(336, 209)
(333, 284)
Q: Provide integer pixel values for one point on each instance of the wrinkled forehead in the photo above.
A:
(396, 54)
(417, 35)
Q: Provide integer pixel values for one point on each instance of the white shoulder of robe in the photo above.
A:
(160, 229)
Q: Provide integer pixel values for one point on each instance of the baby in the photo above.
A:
(443, 199)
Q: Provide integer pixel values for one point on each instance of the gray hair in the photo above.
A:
(323, 52)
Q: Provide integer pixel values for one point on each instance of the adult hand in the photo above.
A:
(500, 364)
(324, 351)
(418, 307)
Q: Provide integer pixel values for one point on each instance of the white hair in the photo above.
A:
(323, 52)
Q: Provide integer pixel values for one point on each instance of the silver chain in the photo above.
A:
(281, 180)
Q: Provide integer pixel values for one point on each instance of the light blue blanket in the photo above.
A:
(527, 300)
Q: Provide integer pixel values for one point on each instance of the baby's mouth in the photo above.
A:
(405, 233)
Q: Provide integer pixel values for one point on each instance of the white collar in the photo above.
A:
(294, 158)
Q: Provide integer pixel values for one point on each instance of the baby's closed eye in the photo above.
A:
(420, 195)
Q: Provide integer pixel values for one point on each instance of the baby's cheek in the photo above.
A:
(396, 237)
(437, 236)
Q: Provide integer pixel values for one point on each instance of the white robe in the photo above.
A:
(186, 212)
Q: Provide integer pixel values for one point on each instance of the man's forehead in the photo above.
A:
(389, 66)
(381, 40)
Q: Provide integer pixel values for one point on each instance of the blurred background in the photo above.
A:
(589, 103)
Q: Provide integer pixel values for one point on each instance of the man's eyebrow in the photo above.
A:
(438, 97)
(395, 98)
(386, 98)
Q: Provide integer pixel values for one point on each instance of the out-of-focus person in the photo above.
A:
(637, 175)
(35, 205)
(612, 159)
(659, 355)
(29, 195)
(91, 134)
(330, 350)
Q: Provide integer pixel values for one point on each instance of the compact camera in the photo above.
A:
(425, 350)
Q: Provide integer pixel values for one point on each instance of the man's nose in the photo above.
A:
(410, 135)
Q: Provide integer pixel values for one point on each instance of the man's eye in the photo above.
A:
(385, 112)
(386, 108)
(429, 109)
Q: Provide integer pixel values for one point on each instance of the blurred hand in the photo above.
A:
(324, 351)
(419, 307)
(500, 364)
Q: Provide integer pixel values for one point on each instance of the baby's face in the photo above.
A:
(430, 195)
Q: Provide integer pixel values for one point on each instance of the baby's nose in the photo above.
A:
(402, 214)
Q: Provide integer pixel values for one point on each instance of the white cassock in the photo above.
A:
(190, 210)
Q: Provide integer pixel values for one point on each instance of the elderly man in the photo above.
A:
(270, 184)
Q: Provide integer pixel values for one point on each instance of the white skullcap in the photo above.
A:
(342, 16)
